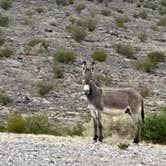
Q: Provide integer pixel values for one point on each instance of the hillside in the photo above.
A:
(31, 63)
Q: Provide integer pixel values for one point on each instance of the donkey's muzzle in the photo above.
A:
(86, 89)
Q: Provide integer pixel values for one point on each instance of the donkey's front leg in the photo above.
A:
(100, 126)
(95, 124)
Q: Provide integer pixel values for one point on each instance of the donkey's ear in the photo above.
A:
(84, 65)
(92, 66)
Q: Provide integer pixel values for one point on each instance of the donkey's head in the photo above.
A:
(87, 77)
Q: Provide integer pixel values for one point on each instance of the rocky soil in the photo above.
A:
(25, 150)
(20, 74)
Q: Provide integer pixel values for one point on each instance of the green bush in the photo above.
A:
(44, 88)
(4, 20)
(37, 124)
(5, 99)
(163, 2)
(147, 65)
(129, 1)
(156, 56)
(154, 128)
(162, 21)
(80, 7)
(1, 41)
(145, 92)
(40, 124)
(78, 33)
(162, 10)
(103, 80)
(6, 4)
(99, 55)
(123, 146)
(120, 21)
(58, 70)
(64, 56)
(5, 52)
(36, 41)
(125, 50)
(105, 12)
(142, 36)
(16, 123)
(39, 10)
(143, 14)
(62, 2)
(150, 5)
(2, 127)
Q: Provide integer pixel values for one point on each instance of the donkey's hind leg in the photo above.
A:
(100, 127)
(94, 115)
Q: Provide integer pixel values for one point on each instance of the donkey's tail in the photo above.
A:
(142, 111)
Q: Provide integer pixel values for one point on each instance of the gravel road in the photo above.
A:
(42, 150)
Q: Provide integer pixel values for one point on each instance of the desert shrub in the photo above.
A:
(154, 128)
(123, 146)
(58, 70)
(6, 4)
(39, 10)
(150, 5)
(119, 11)
(5, 99)
(44, 88)
(154, 28)
(90, 23)
(1, 41)
(162, 21)
(37, 124)
(4, 20)
(162, 10)
(99, 55)
(80, 7)
(62, 2)
(105, 12)
(143, 14)
(163, 2)
(156, 56)
(5, 52)
(78, 33)
(65, 56)
(145, 92)
(129, 1)
(103, 80)
(125, 50)
(2, 127)
(120, 21)
(16, 123)
(142, 36)
(36, 41)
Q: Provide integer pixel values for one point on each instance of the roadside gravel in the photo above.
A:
(42, 150)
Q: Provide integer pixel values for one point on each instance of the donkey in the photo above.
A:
(111, 101)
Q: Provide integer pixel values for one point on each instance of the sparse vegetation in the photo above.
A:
(120, 21)
(64, 2)
(150, 5)
(57, 70)
(65, 56)
(44, 88)
(40, 10)
(151, 62)
(78, 33)
(6, 4)
(103, 80)
(80, 7)
(162, 10)
(4, 20)
(36, 41)
(99, 55)
(142, 36)
(105, 12)
(125, 50)
(154, 128)
(40, 124)
(163, 3)
(162, 21)
(5, 99)
(143, 14)
(123, 146)
(145, 92)
(5, 52)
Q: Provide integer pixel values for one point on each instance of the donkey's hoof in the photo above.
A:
(136, 140)
(101, 139)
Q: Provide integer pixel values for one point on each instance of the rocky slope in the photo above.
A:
(20, 74)
(24, 150)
